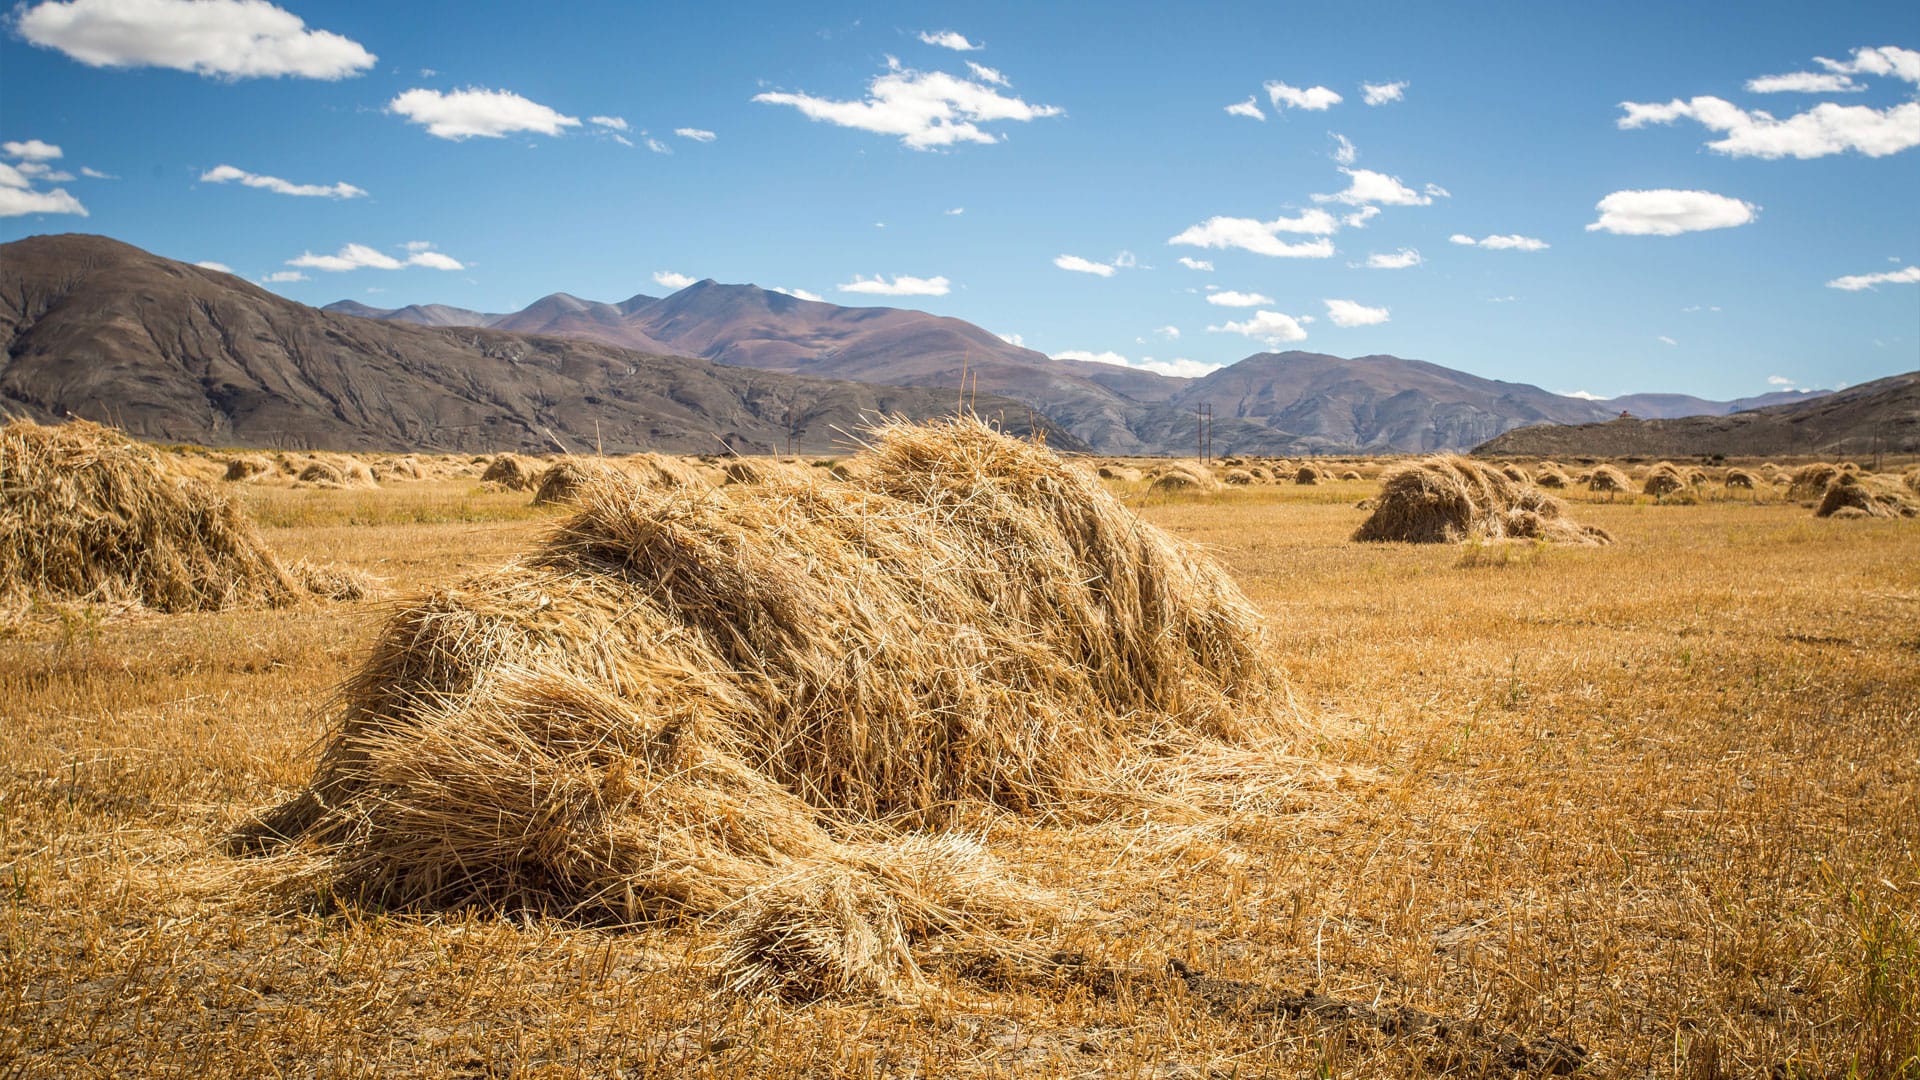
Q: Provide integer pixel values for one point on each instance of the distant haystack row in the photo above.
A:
(89, 515)
(1447, 499)
(745, 702)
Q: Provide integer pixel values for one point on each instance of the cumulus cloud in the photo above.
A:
(902, 285)
(1359, 218)
(31, 150)
(924, 109)
(696, 134)
(209, 264)
(1348, 313)
(1818, 132)
(17, 197)
(667, 279)
(987, 74)
(1229, 298)
(1383, 93)
(1780, 380)
(798, 294)
(43, 172)
(1667, 212)
(1262, 237)
(1399, 260)
(1509, 242)
(1856, 282)
(362, 257)
(281, 277)
(1345, 153)
(488, 114)
(1365, 186)
(1312, 99)
(1804, 82)
(1246, 108)
(1083, 266)
(1013, 339)
(232, 39)
(1271, 327)
(221, 174)
(1195, 264)
(1902, 64)
(948, 39)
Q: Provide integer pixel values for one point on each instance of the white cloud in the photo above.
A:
(1902, 64)
(956, 211)
(1348, 313)
(209, 264)
(1013, 339)
(611, 123)
(948, 39)
(902, 285)
(1690, 308)
(1083, 266)
(1857, 282)
(1804, 82)
(1382, 93)
(1359, 218)
(1246, 108)
(220, 174)
(1665, 340)
(657, 146)
(1229, 298)
(1399, 260)
(1195, 264)
(925, 109)
(31, 150)
(1780, 380)
(1346, 153)
(696, 134)
(1312, 99)
(1262, 237)
(1501, 299)
(668, 279)
(1366, 186)
(362, 257)
(1820, 131)
(279, 277)
(987, 74)
(233, 39)
(1509, 242)
(489, 114)
(1092, 357)
(96, 174)
(11, 177)
(1269, 326)
(1667, 212)
(1584, 395)
(1179, 367)
(1171, 333)
(43, 172)
(17, 197)
(798, 294)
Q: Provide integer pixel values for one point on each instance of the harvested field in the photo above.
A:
(1639, 810)
(1447, 499)
(1871, 496)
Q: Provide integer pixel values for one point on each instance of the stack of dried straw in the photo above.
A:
(1448, 498)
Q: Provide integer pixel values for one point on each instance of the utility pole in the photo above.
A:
(1203, 430)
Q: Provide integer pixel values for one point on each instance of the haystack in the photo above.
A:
(1238, 477)
(1260, 473)
(1179, 476)
(1307, 474)
(1551, 478)
(1912, 480)
(336, 470)
(1515, 473)
(1351, 474)
(663, 470)
(511, 471)
(1663, 479)
(1740, 478)
(562, 481)
(249, 467)
(1448, 498)
(759, 703)
(1873, 496)
(1811, 481)
(88, 515)
(1606, 478)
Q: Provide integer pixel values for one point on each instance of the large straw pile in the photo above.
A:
(731, 701)
(1812, 481)
(512, 472)
(89, 515)
(1606, 478)
(1664, 478)
(1446, 499)
(1872, 496)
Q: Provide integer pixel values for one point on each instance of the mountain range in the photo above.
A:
(99, 328)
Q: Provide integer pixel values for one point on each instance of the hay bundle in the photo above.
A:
(1912, 480)
(1260, 473)
(1179, 476)
(1872, 496)
(1238, 477)
(1606, 478)
(401, 468)
(1351, 474)
(1811, 481)
(731, 700)
(511, 471)
(1740, 478)
(1515, 473)
(1663, 479)
(336, 470)
(560, 482)
(1448, 498)
(249, 467)
(1307, 474)
(87, 514)
(1551, 478)
(663, 470)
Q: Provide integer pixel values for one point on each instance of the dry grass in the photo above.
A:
(1657, 798)
(1869, 495)
(1607, 478)
(512, 472)
(1447, 499)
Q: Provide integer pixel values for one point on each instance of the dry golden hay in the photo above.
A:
(88, 515)
(1448, 498)
(1606, 478)
(400, 468)
(1740, 478)
(336, 470)
(759, 704)
(1351, 474)
(1912, 480)
(1872, 496)
(562, 481)
(1663, 479)
(1238, 477)
(1811, 481)
(1515, 473)
(1260, 473)
(1551, 478)
(1307, 474)
(249, 467)
(511, 471)
(663, 470)
(1179, 476)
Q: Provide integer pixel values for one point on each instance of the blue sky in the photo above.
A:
(834, 149)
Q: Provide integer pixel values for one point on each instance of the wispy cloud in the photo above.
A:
(1229, 298)
(1856, 282)
(1382, 93)
(1364, 186)
(696, 134)
(926, 110)
(948, 39)
(487, 114)
(1509, 242)
(1247, 108)
(1403, 259)
(902, 285)
(221, 174)
(1263, 237)
(1195, 264)
(362, 257)
(1311, 99)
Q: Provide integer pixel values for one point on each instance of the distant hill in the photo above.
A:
(1882, 416)
(1669, 406)
(170, 351)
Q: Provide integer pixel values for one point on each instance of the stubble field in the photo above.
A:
(1659, 801)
